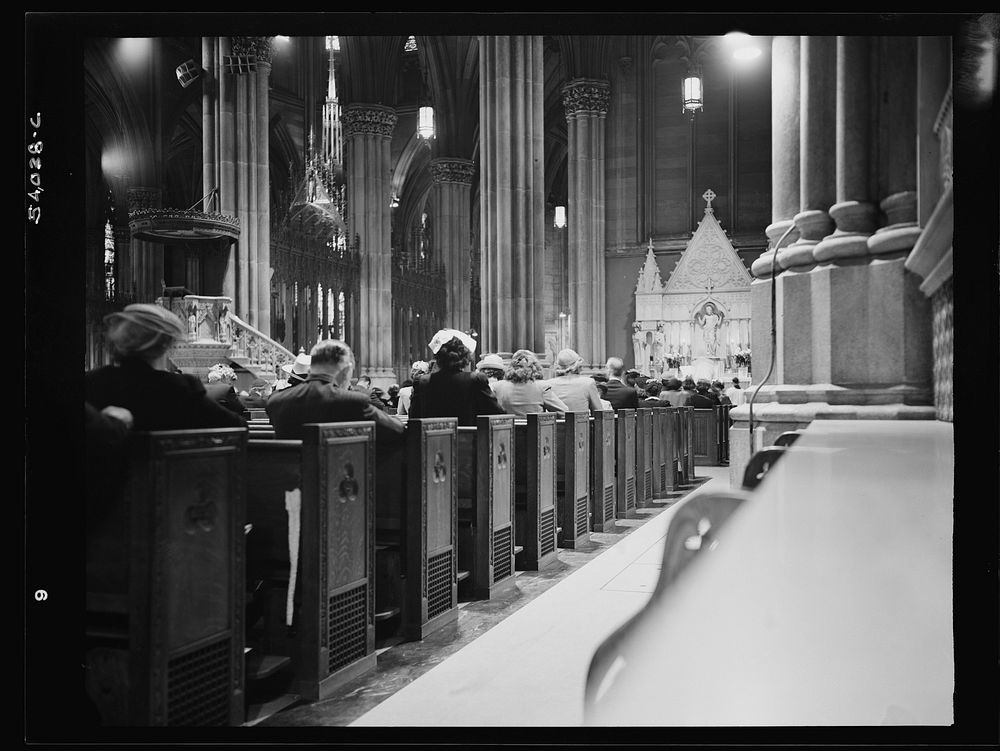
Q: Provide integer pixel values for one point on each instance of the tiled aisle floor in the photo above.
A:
(521, 660)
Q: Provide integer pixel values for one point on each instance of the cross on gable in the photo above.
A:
(709, 196)
(650, 246)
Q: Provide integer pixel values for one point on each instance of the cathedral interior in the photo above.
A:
(578, 182)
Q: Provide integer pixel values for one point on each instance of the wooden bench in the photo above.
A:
(332, 636)
(165, 584)
(724, 422)
(602, 471)
(687, 444)
(664, 463)
(535, 491)
(431, 560)
(573, 479)
(644, 456)
(705, 439)
(625, 464)
(485, 489)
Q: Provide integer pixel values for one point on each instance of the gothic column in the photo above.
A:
(586, 103)
(840, 285)
(817, 192)
(512, 204)
(235, 135)
(785, 117)
(452, 204)
(367, 135)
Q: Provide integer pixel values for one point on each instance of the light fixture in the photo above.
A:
(187, 73)
(694, 99)
(425, 122)
(742, 46)
(560, 220)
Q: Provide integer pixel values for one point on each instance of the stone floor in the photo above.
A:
(401, 663)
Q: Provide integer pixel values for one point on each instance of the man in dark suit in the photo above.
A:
(620, 394)
(326, 397)
(702, 398)
(452, 391)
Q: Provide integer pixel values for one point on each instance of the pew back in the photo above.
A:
(602, 470)
(535, 490)
(165, 599)
(485, 502)
(625, 464)
(573, 479)
(644, 456)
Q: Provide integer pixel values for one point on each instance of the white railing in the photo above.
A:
(260, 350)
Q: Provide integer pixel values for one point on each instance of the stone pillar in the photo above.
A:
(235, 133)
(785, 115)
(512, 204)
(817, 191)
(452, 204)
(586, 103)
(368, 134)
(146, 267)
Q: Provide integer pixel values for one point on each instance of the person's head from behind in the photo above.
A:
(736, 382)
(672, 385)
(523, 367)
(703, 386)
(688, 384)
(653, 388)
(417, 369)
(615, 367)
(333, 357)
(717, 385)
(453, 350)
(491, 366)
(568, 362)
(144, 332)
(393, 390)
(365, 381)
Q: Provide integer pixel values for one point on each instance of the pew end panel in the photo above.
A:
(644, 456)
(625, 464)
(337, 550)
(573, 481)
(535, 445)
(602, 471)
(174, 652)
(705, 437)
(431, 587)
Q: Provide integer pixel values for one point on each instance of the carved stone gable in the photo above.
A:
(649, 276)
(709, 262)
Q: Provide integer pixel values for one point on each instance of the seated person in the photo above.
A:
(522, 390)
(140, 338)
(417, 369)
(620, 394)
(653, 389)
(451, 390)
(702, 398)
(578, 392)
(256, 398)
(221, 378)
(673, 395)
(326, 397)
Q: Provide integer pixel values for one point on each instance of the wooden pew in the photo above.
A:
(687, 436)
(602, 471)
(485, 507)
(672, 427)
(723, 421)
(165, 584)
(644, 456)
(663, 454)
(625, 464)
(535, 491)
(431, 560)
(705, 438)
(573, 479)
(332, 638)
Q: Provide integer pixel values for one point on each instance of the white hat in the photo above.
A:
(446, 335)
(300, 367)
(490, 361)
(566, 360)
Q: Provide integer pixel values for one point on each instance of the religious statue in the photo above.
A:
(710, 321)
(641, 348)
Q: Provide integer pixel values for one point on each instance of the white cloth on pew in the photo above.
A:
(293, 505)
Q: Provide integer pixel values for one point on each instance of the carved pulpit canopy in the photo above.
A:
(165, 226)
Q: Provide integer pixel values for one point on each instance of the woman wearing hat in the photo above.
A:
(578, 392)
(417, 369)
(140, 338)
(522, 391)
(452, 391)
(297, 372)
(492, 367)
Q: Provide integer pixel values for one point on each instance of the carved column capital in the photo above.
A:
(453, 170)
(374, 119)
(256, 47)
(586, 95)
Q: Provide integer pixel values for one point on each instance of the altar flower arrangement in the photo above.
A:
(221, 372)
(673, 359)
(742, 357)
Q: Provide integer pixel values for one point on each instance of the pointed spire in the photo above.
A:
(649, 276)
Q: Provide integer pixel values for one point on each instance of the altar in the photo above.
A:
(699, 320)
